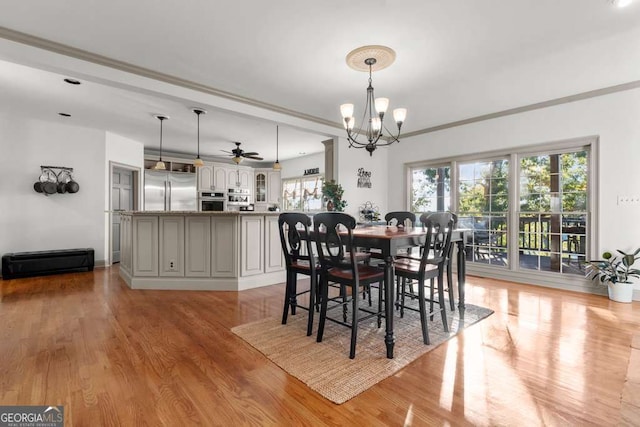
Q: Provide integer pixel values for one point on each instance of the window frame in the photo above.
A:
(300, 179)
(552, 279)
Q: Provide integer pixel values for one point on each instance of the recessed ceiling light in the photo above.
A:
(65, 114)
(620, 3)
(72, 81)
(302, 153)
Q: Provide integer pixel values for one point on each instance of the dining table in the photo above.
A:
(389, 240)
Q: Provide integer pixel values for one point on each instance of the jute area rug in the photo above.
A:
(326, 368)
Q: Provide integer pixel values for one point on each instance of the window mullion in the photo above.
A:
(514, 211)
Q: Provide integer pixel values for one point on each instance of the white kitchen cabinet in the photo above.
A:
(273, 256)
(220, 172)
(260, 187)
(197, 246)
(201, 250)
(145, 246)
(274, 187)
(246, 179)
(205, 178)
(125, 242)
(252, 245)
(224, 246)
(267, 188)
(240, 177)
(171, 246)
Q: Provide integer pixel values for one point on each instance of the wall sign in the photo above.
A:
(364, 178)
(312, 171)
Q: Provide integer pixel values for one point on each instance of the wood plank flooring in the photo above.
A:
(114, 356)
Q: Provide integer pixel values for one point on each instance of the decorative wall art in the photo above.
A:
(364, 178)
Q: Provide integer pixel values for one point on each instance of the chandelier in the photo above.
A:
(371, 58)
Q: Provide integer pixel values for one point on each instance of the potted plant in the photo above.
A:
(332, 193)
(616, 272)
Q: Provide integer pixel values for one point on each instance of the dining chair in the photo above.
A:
(299, 259)
(430, 265)
(440, 217)
(444, 217)
(339, 264)
(400, 218)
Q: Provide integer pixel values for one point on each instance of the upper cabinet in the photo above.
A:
(274, 187)
(261, 186)
(205, 178)
(240, 177)
(268, 186)
(220, 177)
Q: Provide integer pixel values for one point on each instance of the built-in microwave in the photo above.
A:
(216, 202)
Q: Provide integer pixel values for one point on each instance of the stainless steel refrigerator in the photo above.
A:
(170, 191)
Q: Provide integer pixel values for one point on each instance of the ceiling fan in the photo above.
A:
(239, 154)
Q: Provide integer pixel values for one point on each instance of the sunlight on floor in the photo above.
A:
(408, 420)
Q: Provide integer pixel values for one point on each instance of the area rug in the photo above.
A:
(326, 368)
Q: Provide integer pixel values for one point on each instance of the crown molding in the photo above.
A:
(537, 106)
(84, 55)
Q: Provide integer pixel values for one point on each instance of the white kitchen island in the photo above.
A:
(218, 251)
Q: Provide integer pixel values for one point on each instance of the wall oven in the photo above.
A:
(208, 201)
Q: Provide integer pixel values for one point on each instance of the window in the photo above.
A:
(552, 221)
(430, 189)
(483, 206)
(527, 210)
(302, 194)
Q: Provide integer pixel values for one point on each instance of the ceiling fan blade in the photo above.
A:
(251, 153)
(253, 157)
(225, 151)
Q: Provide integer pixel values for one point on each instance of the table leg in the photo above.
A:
(389, 296)
(462, 262)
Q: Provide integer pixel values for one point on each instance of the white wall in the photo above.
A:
(349, 161)
(614, 118)
(294, 168)
(31, 221)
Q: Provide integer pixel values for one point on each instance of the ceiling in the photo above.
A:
(283, 62)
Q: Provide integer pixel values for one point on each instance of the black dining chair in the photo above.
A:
(431, 266)
(299, 259)
(400, 218)
(441, 218)
(339, 264)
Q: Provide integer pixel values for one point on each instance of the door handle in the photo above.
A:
(169, 198)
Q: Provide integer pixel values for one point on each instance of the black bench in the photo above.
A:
(40, 263)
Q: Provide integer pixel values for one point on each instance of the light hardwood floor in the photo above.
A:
(114, 356)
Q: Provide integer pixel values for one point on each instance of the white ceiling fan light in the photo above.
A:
(620, 3)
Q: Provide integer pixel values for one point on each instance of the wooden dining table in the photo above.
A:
(389, 239)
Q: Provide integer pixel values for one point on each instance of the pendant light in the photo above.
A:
(277, 166)
(160, 165)
(198, 161)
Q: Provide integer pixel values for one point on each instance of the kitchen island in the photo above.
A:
(218, 251)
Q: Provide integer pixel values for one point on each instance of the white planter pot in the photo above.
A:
(621, 292)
